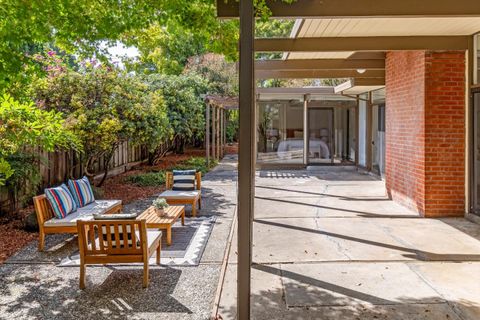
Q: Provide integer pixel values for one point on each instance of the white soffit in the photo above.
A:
(361, 89)
(377, 27)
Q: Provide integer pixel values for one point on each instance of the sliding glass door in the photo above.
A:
(320, 135)
(280, 132)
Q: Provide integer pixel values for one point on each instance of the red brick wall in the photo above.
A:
(445, 134)
(404, 115)
(425, 138)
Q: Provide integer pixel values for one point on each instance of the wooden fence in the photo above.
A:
(59, 166)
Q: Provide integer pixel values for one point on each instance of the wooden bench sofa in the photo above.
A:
(192, 198)
(49, 224)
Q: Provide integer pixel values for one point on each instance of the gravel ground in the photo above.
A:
(33, 287)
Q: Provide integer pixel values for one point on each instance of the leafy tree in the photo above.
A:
(222, 80)
(221, 76)
(185, 107)
(23, 127)
(75, 26)
(104, 107)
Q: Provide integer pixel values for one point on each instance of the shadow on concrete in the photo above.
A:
(410, 252)
(324, 194)
(361, 213)
(338, 302)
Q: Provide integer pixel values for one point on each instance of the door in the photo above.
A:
(320, 136)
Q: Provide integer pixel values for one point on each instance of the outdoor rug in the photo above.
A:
(188, 244)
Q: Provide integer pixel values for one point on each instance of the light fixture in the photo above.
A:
(361, 71)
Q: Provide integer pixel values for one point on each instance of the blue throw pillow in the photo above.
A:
(184, 180)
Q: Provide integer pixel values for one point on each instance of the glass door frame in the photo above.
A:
(475, 154)
(307, 136)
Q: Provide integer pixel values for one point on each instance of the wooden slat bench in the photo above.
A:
(117, 241)
(49, 224)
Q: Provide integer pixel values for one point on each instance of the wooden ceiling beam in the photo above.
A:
(360, 8)
(317, 74)
(341, 44)
(319, 64)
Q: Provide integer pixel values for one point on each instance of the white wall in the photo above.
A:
(362, 116)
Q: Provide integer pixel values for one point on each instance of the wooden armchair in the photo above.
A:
(184, 197)
(116, 241)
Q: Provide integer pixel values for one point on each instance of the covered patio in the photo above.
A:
(339, 243)
(329, 244)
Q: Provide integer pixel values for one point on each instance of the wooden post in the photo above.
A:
(213, 132)
(357, 131)
(246, 163)
(305, 130)
(369, 138)
(224, 131)
(207, 133)
(217, 133)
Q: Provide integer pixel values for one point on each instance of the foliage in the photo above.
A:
(165, 50)
(231, 129)
(157, 179)
(160, 203)
(75, 26)
(104, 107)
(221, 76)
(197, 163)
(185, 107)
(26, 177)
(23, 126)
(149, 179)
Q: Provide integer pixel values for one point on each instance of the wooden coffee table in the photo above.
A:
(172, 213)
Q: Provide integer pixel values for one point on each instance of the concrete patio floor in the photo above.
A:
(329, 244)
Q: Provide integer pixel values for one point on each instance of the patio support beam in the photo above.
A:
(360, 8)
(214, 157)
(221, 133)
(320, 64)
(369, 140)
(219, 142)
(207, 133)
(305, 129)
(340, 44)
(357, 130)
(246, 157)
(314, 73)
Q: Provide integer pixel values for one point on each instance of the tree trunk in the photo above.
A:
(106, 165)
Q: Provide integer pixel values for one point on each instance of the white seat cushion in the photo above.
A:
(84, 213)
(173, 194)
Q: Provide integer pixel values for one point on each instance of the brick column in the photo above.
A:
(425, 133)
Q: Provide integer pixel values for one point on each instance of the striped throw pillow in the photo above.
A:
(82, 191)
(183, 180)
(61, 201)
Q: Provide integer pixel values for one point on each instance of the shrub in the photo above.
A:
(198, 163)
(149, 179)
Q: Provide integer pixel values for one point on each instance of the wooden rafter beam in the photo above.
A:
(317, 74)
(360, 8)
(340, 44)
(319, 64)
